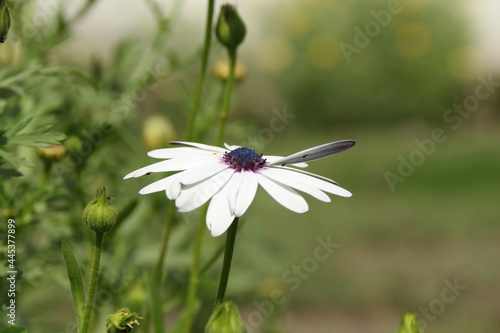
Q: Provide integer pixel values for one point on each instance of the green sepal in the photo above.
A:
(409, 324)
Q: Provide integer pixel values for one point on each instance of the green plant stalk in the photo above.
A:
(226, 101)
(38, 194)
(226, 264)
(164, 241)
(203, 70)
(194, 277)
(94, 274)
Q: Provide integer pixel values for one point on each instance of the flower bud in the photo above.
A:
(230, 29)
(409, 324)
(52, 153)
(122, 321)
(225, 319)
(157, 131)
(4, 20)
(99, 215)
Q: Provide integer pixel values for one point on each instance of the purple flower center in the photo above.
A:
(242, 159)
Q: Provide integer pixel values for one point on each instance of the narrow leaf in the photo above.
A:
(155, 312)
(76, 281)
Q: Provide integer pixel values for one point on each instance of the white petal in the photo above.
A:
(285, 195)
(182, 152)
(169, 165)
(231, 147)
(199, 145)
(246, 193)
(197, 174)
(272, 159)
(317, 152)
(157, 186)
(233, 188)
(219, 217)
(193, 196)
(173, 189)
(322, 183)
(288, 178)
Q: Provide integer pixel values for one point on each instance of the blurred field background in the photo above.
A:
(398, 245)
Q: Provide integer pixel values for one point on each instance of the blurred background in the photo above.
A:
(415, 83)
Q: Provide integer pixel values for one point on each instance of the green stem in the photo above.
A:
(226, 102)
(194, 277)
(226, 264)
(201, 75)
(166, 234)
(89, 306)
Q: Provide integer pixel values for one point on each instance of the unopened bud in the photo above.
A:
(99, 215)
(230, 29)
(225, 319)
(4, 20)
(52, 153)
(122, 321)
(409, 324)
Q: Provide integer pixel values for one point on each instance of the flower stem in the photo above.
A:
(203, 69)
(164, 242)
(194, 277)
(226, 264)
(99, 236)
(226, 102)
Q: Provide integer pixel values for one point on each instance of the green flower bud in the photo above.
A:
(99, 215)
(122, 321)
(225, 319)
(409, 324)
(4, 20)
(230, 29)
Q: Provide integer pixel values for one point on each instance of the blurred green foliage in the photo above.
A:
(408, 71)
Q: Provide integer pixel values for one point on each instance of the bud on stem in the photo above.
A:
(230, 29)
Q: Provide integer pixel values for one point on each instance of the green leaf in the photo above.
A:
(155, 308)
(14, 329)
(9, 173)
(38, 138)
(18, 127)
(76, 281)
(13, 159)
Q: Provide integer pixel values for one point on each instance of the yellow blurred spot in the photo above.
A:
(221, 70)
(464, 64)
(412, 40)
(297, 22)
(275, 55)
(323, 51)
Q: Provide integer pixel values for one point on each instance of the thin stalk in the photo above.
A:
(164, 241)
(194, 277)
(226, 264)
(89, 306)
(203, 69)
(226, 101)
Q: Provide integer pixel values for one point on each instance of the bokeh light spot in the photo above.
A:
(275, 55)
(323, 52)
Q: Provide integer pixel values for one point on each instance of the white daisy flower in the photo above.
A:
(230, 177)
